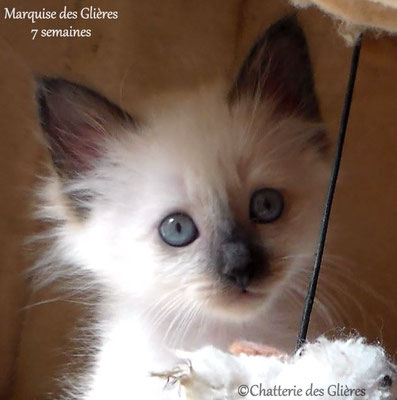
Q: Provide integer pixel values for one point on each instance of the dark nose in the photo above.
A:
(237, 264)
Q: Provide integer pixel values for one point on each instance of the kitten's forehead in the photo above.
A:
(203, 138)
(200, 151)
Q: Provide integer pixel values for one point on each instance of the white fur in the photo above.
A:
(340, 369)
(198, 155)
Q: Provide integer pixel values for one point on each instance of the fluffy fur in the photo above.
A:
(203, 153)
(343, 369)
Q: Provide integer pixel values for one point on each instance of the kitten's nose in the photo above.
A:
(237, 264)
(238, 276)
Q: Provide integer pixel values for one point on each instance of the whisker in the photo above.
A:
(54, 300)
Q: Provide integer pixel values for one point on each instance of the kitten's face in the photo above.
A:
(207, 203)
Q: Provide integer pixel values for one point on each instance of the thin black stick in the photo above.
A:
(331, 191)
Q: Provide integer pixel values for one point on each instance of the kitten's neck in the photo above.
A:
(190, 330)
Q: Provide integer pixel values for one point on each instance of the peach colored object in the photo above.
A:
(254, 349)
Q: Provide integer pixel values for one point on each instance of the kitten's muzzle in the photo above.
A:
(240, 263)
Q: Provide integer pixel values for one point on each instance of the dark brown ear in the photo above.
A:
(75, 121)
(278, 68)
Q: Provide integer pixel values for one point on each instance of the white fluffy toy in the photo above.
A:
(325, 369)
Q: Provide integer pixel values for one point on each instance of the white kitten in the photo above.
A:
(190, 220)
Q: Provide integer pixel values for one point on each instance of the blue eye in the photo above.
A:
(178, 230)
(266, 205)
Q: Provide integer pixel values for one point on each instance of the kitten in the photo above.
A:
(192, 220)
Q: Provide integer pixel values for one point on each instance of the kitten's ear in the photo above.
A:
(278, 68)
(75, 121)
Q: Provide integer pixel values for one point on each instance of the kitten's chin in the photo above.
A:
(236, 304)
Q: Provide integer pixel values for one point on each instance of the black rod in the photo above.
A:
(311, 293)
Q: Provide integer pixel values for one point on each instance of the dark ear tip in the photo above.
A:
(288, 20)
(286, 26)
(41, 80)
(43, 85)
(46, 83)
(40, 86)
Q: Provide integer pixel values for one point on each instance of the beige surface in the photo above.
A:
(156, 46)
(373, 14)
